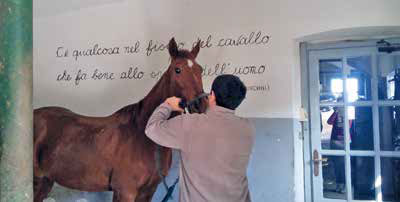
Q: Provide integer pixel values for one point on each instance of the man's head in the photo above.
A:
(227, 91)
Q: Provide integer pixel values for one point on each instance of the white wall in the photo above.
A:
(82, 23)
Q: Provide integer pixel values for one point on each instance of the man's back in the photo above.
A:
(215, 147)
(214, 157)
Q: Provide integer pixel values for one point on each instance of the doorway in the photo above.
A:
(352, 138)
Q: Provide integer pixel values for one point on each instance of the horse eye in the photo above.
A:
(178, 70)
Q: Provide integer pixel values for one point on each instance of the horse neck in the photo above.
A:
(152, 100)
(157, 95)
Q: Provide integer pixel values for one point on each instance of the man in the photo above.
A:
(214, 147)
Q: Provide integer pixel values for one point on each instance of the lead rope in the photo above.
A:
(170, 190)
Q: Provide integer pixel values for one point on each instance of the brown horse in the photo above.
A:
(111, 153)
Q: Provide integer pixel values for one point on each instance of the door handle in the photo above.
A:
(316, 161)
(323, 160)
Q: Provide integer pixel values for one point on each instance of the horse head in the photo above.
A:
(185, 76)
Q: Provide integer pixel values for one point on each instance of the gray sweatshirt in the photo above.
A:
(214, 152)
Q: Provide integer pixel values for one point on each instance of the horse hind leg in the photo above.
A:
(41, 188)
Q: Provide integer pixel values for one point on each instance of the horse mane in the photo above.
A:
(129, 109)
(129, 113)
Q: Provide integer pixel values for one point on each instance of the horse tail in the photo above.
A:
(39, 134)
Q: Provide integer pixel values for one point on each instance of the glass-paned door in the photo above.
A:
(355, 125)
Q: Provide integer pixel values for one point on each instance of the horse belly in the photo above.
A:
(82, 170)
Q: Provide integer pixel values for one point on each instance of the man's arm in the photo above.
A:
(168, 133)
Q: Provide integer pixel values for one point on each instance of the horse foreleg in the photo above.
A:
(121, 196)
(146, 195)
(41, 187)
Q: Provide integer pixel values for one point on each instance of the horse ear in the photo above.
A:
(196, 49)
(173, 48)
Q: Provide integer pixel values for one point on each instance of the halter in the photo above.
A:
(186, 104)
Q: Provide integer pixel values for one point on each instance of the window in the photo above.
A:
(352, 92)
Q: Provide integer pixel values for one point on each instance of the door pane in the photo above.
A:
(363, 178)
(330, 78)
(332, 136)
(389, 77)
(333, 176)
(359, 79)
(389, 128)
(361, 128)
(390, 168)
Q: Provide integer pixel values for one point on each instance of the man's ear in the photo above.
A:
(212, 96)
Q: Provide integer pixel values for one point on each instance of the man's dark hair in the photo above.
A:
(229, 91)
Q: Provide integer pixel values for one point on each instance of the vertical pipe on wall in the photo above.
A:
(16, 100)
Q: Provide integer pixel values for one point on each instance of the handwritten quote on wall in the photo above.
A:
(153, 47)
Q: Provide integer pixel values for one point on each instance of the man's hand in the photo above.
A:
(174, 103)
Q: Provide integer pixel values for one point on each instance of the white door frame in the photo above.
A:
(309, 99)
